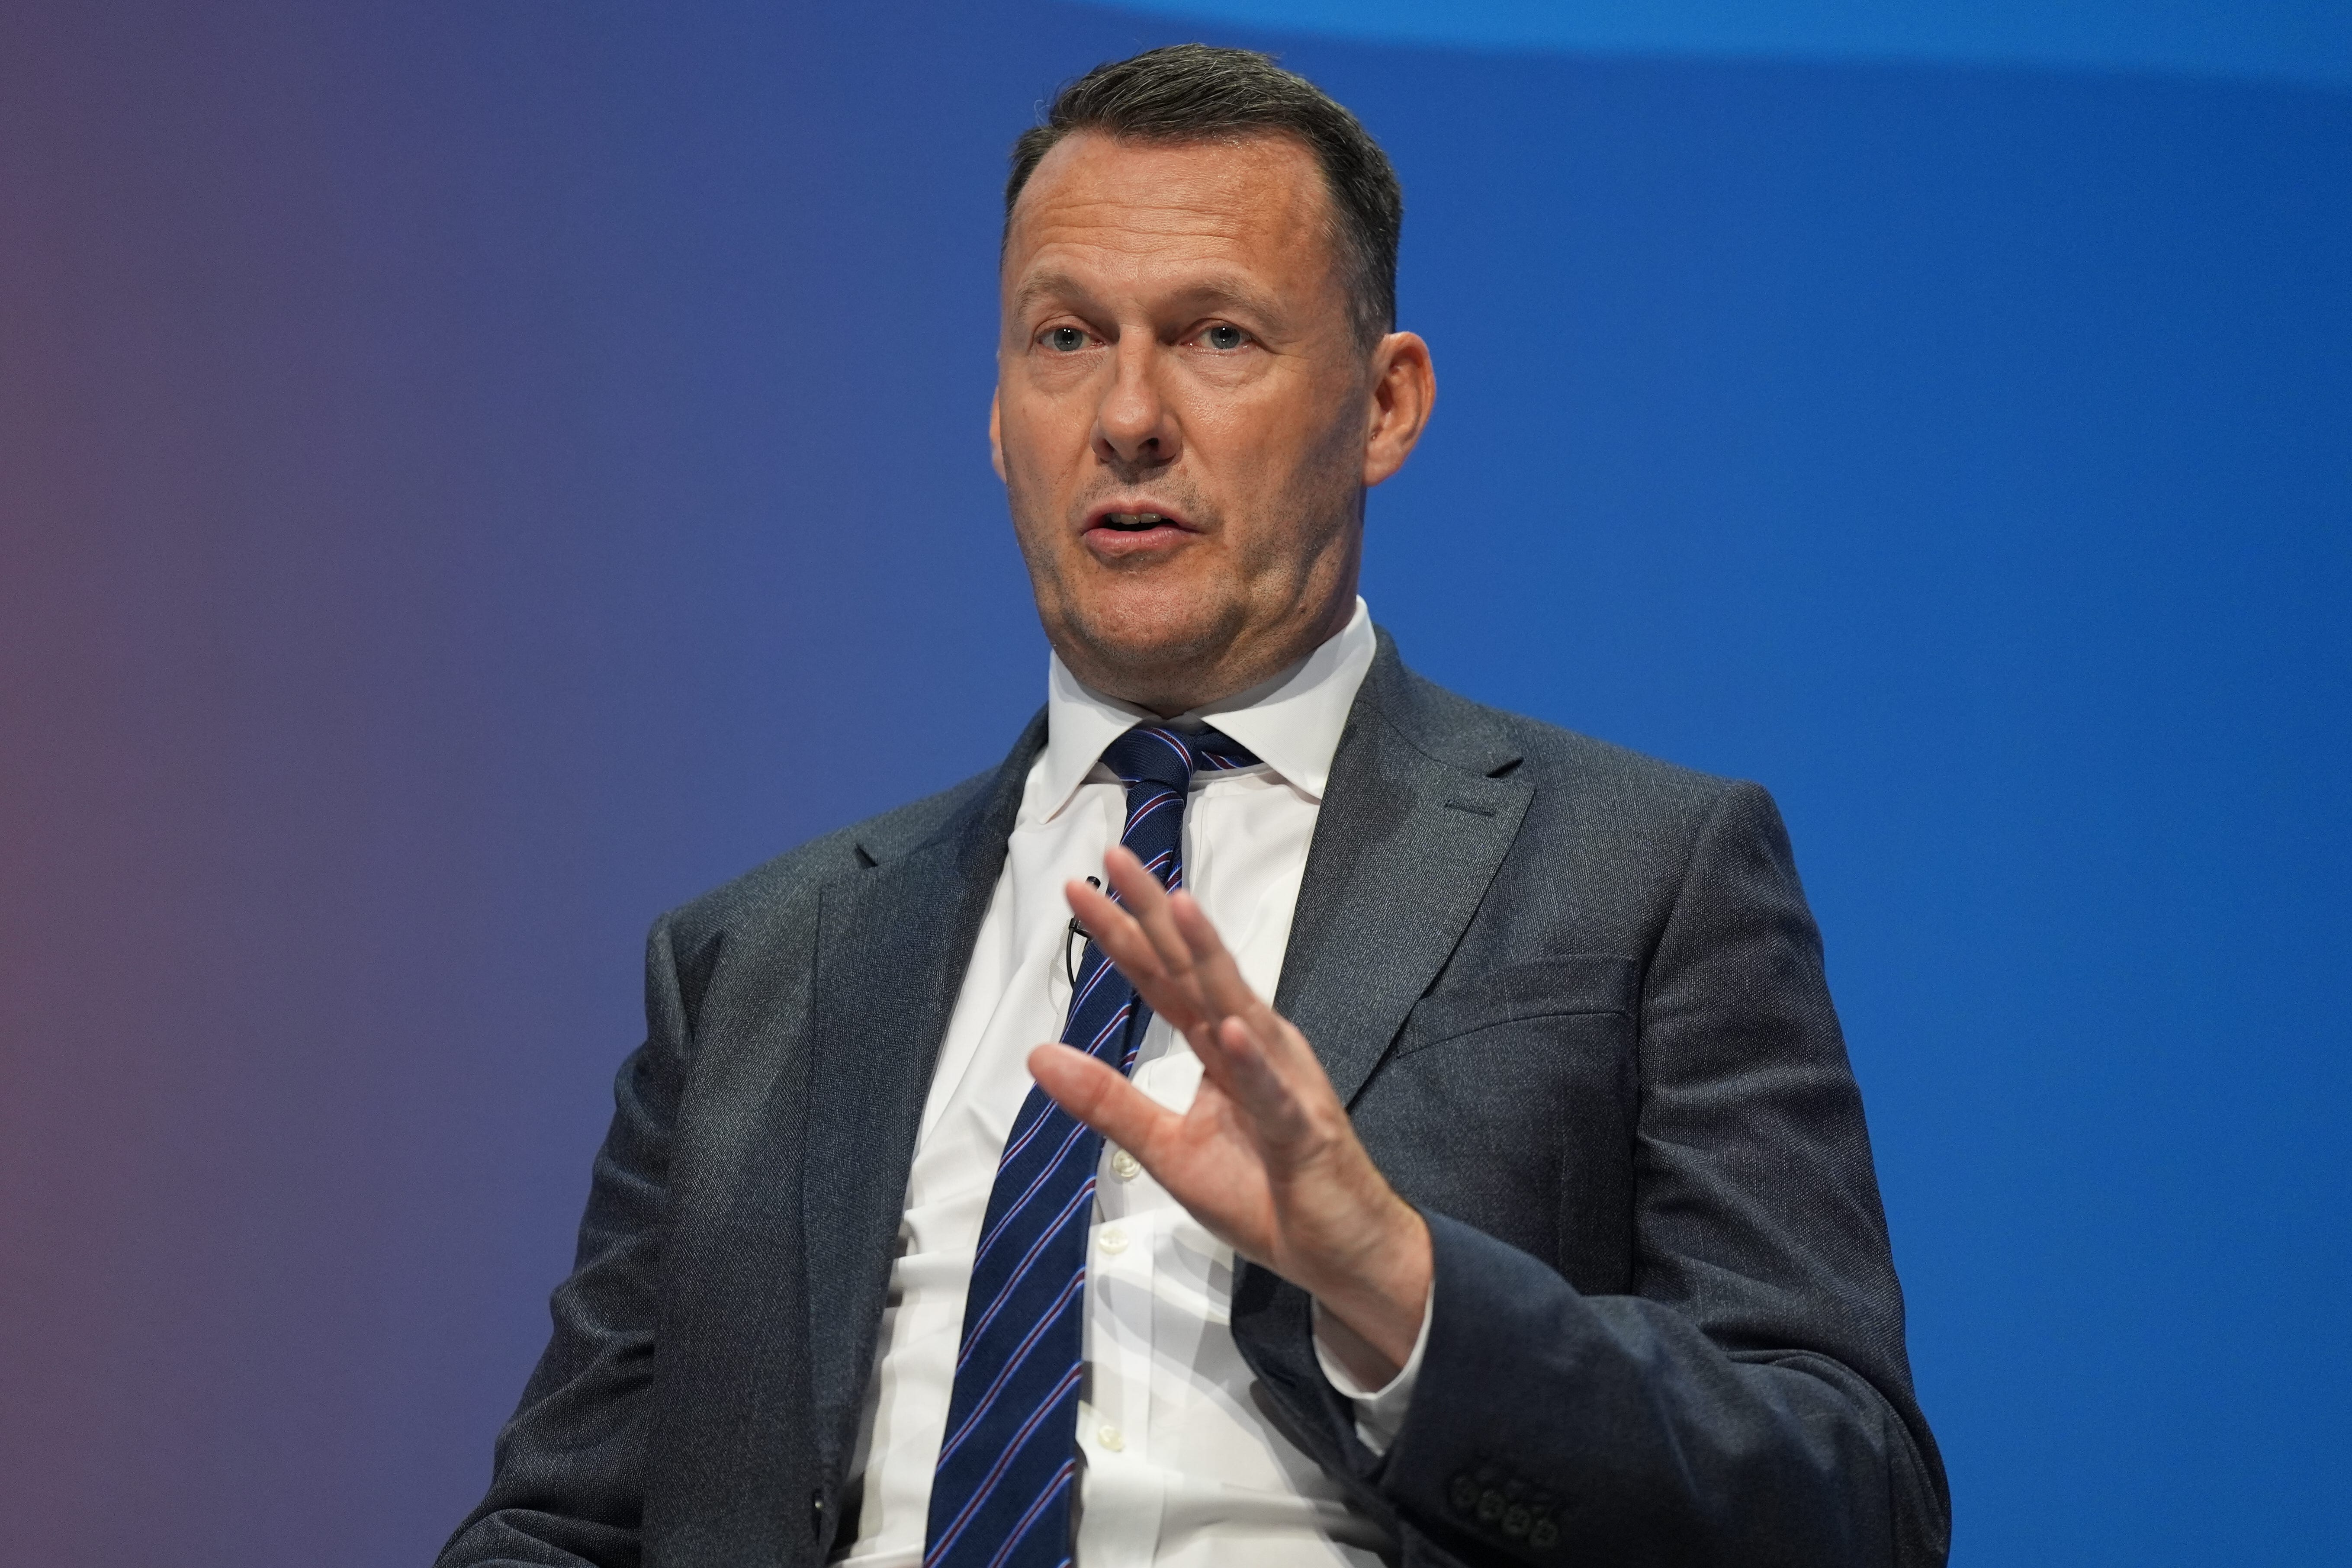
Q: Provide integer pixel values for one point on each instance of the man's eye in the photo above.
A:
(1225, 337)
(1065, 340)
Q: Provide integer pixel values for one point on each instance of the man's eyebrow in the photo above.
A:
(1236, 292)
(1040, 284)
(1206, 295)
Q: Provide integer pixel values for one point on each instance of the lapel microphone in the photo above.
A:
(1074, 941)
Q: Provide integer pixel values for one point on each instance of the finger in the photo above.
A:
(1217, 976)
(1124, 939)
(1270, 1099)
(1256, 1055)
(1150, 905)
(1113, 929)
(1266, 1094)
(1102, 1099)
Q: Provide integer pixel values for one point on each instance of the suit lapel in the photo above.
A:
(1412, 830)
(893, 942)
(1414, 827)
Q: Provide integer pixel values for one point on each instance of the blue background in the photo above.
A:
(472, 476)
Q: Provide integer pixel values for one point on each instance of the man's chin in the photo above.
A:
(1146, 654)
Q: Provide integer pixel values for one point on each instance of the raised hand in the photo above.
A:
(1266, 1158)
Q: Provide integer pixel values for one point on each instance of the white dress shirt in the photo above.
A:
(1178, 1468)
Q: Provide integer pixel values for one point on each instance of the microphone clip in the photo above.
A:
(1074, 939)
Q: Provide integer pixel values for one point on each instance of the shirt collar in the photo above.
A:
(1292, 722)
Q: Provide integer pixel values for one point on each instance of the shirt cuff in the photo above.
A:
(1381, 1412)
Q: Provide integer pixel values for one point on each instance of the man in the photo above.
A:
(1531, 1220)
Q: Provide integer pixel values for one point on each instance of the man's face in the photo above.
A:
(1185, 420)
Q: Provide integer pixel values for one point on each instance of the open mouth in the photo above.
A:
(1136, 529)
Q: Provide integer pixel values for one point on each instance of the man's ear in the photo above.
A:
(996, 431)
(1404, 389)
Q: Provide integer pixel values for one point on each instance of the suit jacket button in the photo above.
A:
(1490, 1505)
(1544, 1534)
(1516, 1519)
(1464, 1493)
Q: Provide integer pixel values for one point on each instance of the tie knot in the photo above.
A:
(1170, 757)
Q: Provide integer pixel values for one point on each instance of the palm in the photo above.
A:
(1264, 1156)
(1208, 1161)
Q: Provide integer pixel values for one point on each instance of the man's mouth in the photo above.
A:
(1117, 533)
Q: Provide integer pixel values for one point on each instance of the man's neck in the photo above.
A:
(1215, 681)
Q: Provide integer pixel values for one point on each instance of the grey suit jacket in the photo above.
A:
(1573, 999)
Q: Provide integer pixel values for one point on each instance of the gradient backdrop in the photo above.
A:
(474, 475)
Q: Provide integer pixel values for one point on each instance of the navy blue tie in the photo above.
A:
(1001, 1494)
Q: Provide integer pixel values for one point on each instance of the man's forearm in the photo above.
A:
(1548, 1425)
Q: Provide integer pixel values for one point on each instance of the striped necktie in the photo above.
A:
(1001, 1494)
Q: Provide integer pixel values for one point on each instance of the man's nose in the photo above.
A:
(1133, 423)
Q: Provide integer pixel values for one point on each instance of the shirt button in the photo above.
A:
(1114, 1240)
(1126, 1166)
(1111, 1437)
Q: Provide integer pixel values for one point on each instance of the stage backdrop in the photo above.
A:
(475, 475)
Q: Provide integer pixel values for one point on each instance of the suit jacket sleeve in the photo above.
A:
(568, 1481)
(1749, 1401)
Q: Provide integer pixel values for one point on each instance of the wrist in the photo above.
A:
(1374, 1306)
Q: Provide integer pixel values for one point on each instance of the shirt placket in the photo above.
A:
(1121, 1494)
(1124, 1491)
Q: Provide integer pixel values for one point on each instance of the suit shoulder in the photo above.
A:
(1570, 755)
(1503, 743)
(770, 889)
(1638, 823)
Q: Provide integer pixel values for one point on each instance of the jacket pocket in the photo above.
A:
(1545, 988)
